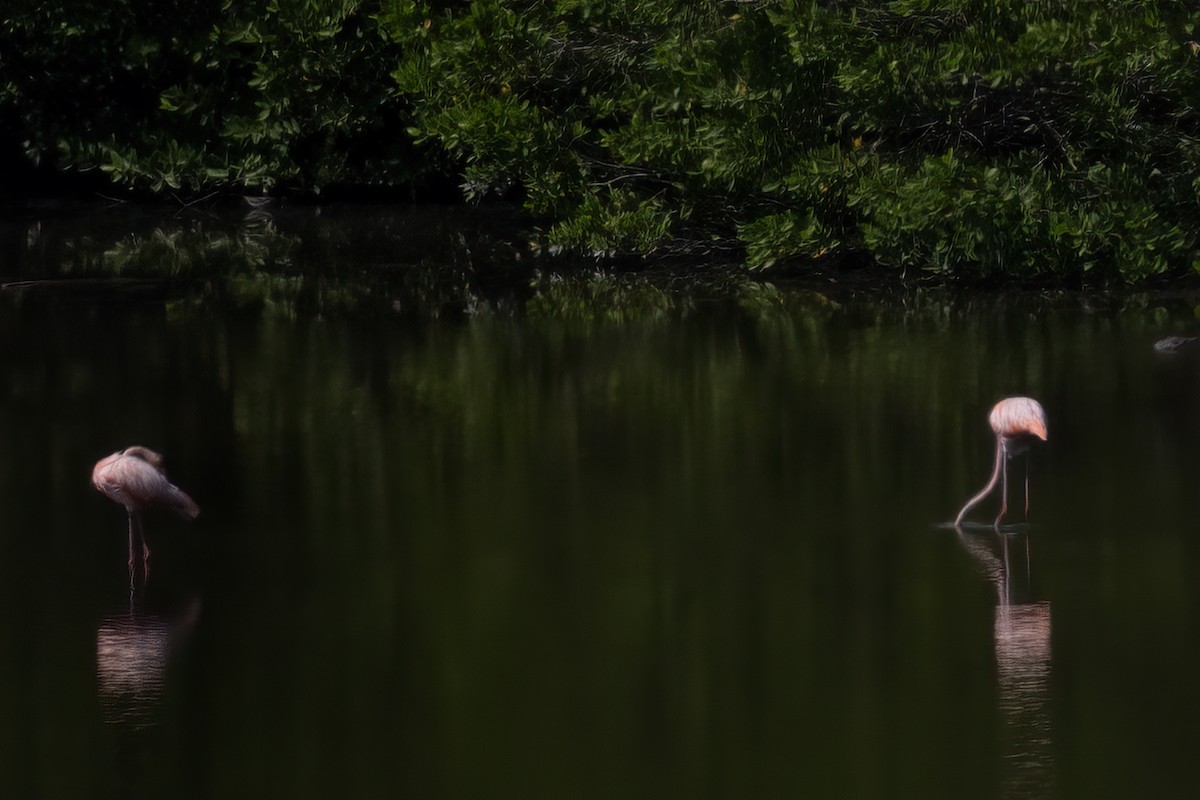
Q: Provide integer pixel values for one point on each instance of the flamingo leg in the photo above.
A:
(1003, 491)
(132, 537)
(1026, 488)
(1007, 592)
(145, 552)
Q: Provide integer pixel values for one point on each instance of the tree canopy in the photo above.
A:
(993, 137)
(186, 97)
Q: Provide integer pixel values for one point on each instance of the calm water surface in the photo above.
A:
(498, 553)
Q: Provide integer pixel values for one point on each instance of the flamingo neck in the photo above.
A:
(1002, 449)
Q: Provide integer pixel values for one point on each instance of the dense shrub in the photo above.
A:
(960, 136)
(939, 134)
(191, 95)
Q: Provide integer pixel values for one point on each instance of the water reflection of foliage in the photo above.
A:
(601, 297)
(435, 263)
(597, 297)
(197, 252)
(302, 266)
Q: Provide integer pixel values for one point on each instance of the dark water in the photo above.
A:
(473, 538)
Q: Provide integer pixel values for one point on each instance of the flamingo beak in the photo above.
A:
(1038, 429)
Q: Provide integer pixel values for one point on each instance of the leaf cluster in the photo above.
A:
(954, 136)
(191, 96)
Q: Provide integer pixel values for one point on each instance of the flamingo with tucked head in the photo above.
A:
(134, 478)
(1017, 423)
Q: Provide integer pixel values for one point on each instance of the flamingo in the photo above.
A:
(134, 478)
(1017, 422)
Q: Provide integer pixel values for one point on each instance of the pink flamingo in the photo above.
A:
(1017, 422)
(134, 478)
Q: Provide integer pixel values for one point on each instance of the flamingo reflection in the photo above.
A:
(134, 477)
(1021, 632)
(132, 654)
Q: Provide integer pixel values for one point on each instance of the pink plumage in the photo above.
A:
(1018, 418)
(1017, 423)
(134, 478)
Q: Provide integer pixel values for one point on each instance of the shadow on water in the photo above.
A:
(1021, 633)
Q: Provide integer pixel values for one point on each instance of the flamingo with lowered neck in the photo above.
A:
(1017, 423)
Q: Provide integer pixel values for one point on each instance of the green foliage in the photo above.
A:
(965, 138)
(1013, 217)
(193, 96)
(614, 222)
(945, 135)
(1028, 139)
(591, 107)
